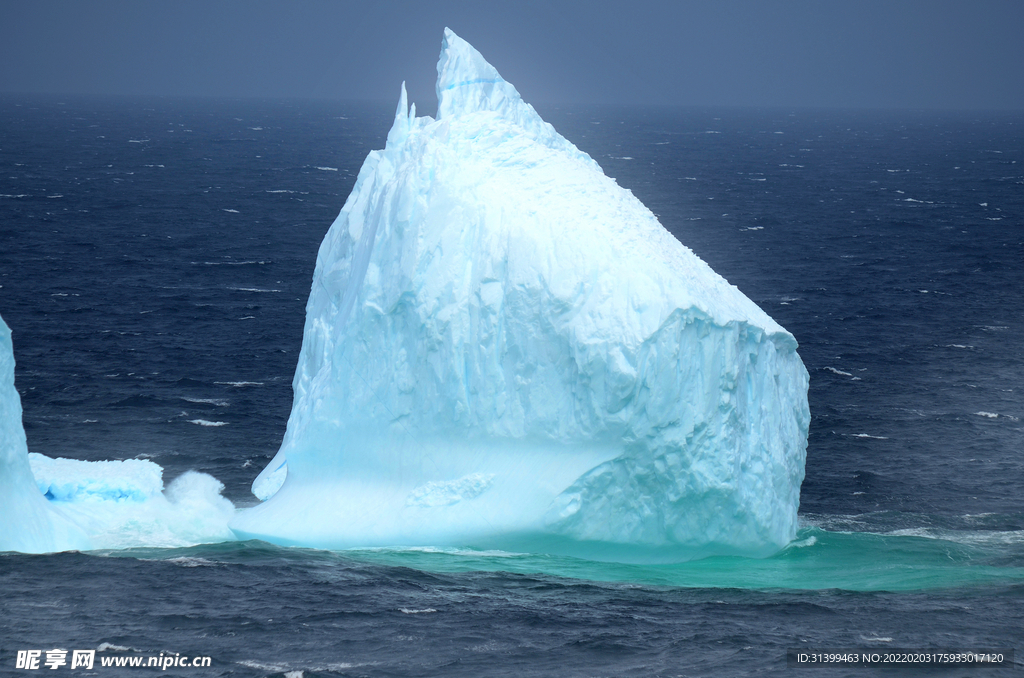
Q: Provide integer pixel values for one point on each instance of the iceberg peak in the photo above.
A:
(466, 82)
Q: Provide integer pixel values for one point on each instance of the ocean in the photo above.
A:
(155, 259)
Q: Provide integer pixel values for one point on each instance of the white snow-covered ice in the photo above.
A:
(504, 349)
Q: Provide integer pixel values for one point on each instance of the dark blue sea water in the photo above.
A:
(155, 258)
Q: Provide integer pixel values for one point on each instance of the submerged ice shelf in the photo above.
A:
(505, 349)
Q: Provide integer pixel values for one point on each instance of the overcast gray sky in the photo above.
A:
(952, 54)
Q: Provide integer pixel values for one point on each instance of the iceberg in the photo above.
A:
(49, 505)
(504, 349)
(28, 523)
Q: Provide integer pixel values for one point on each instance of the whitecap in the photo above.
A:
(445, 550)
(276, 668)
(427, 610)
(239, 384)
(226, 263)
(970, 538)
(865, 435)
(832, 369)
(204, 422)
(185, 561)
(328, 169)
(232, 211)
(219, 402)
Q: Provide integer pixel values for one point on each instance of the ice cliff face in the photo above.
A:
(504, 348)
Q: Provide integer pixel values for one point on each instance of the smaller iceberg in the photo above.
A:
(28, 522)
(49, 505)
(124, 504)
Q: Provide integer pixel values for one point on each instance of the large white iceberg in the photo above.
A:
(505, 349)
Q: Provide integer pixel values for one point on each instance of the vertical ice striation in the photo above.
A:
(28, 522)
(505, 349)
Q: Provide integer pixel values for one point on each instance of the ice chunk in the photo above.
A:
(123, 504)
(71, 480)
(505, 349)
(28, 522)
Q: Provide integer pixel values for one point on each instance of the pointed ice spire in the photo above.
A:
(403, 119)
(466, 84)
